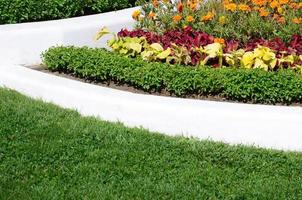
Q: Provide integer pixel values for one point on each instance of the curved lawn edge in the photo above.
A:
(24, 43)
(275, 127)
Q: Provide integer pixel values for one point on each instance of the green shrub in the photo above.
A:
(256, 86)
(17, 11)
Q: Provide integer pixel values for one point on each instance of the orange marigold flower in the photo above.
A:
(180, 7)
(297, 20)
(281, 20)
(219, 40)
(275, 16)
(136, 14)
(274, 4)
(300, 5)
(177, 18)
(263, 12)
(151, 14)
(259, 2)
(231, 6)
(208, 17)
(192, 4)
(155, 3)
(283, 2)
(294, 6)
(189, 18)
(244, 7)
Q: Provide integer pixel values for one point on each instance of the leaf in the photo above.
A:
(247, 60)
(260, 64)
(213, 50)
(146, 55)
(157, 47)
(134, 46)
(101, 33)
(164, 54)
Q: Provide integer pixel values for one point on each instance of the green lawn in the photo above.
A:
(50, 153)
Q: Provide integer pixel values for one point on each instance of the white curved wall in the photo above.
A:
(276, 127)
(23, 43)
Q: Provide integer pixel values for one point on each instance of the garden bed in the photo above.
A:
(252, 86)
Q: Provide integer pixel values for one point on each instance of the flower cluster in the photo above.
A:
(236, 19)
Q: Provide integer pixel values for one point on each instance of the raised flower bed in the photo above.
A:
(256, 34)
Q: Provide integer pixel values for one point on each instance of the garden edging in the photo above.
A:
(265, 126)
(23, 43)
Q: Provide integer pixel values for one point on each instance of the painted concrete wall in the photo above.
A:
(276, 127)
(23, 43)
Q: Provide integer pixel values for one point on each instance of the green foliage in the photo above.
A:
(17, 11)
(244, 85)
(50, 153)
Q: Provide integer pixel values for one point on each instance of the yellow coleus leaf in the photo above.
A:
(229, 58)
(268, 55)
(101, 33)
(147, 55)
(213, 50)
(260, 64)
(247, 60)
(164, 54)
(137, 47)
(157, 47)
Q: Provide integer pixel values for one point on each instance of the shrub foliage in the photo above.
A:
(256, 86)
(17, 11)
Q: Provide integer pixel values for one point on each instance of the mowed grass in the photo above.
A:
(47, 152)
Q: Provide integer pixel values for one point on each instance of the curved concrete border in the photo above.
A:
(276, 127)
(23, 43)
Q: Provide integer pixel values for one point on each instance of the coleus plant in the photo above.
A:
(225, 54)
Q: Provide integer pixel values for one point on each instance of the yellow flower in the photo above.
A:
(222, 20)
(136, 14)
(192, 4)
(231, 7)
(244, 7)
(177, 18)
(208, 17)
(189, 18)
(280, 10)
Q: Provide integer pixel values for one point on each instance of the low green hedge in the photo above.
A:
(17, 11)
(255, 86)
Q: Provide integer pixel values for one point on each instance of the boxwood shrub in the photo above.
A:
(255, 86)
(17, 11)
